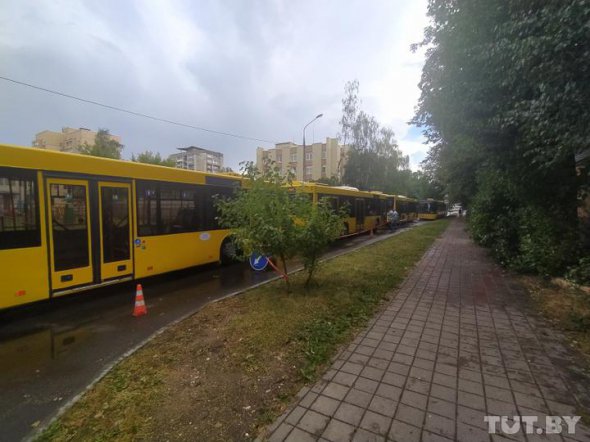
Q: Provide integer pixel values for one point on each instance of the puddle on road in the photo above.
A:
(33, 339)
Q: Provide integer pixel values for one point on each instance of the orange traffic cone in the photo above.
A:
(140, 308)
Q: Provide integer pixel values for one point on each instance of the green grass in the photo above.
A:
(250, 354)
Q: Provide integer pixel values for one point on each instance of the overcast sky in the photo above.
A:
(257, 68)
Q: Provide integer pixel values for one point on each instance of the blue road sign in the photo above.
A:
(258, 262)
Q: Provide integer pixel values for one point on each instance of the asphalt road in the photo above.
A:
(51, 352)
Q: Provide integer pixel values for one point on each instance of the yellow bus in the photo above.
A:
(71, 222)
(430, 209)
(366, 210)
(407, 208)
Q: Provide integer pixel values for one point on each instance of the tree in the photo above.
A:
(269, 217)
(318, 227)
(374, 158)
(150, 157)
(104, 146)
(504, 102)
(261, 214)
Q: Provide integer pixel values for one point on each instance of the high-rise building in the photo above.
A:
(315, 161)
(197, 158)
(68, 140)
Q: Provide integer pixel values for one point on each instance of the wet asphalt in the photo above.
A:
(51, 352)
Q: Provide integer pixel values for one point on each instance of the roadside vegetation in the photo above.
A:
(232, 368)
(505, 105)
(566, 306)
(270, 217)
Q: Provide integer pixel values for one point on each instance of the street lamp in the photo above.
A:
(305, 127)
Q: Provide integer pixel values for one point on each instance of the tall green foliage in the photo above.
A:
(269, 217)
(504, 101)
(374, 159)
(149, 157)
(103, 146)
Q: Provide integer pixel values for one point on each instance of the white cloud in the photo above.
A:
(259, 69)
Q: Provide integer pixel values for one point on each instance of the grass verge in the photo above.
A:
(233, 367)
(565, 306)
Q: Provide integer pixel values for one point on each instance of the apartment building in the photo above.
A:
(68, 140)
(197, 158)
(315, 161)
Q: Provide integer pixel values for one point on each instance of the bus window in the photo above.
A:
(19, 211)
(147, 208)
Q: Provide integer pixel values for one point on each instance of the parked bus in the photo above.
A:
(430, 209)
(407, 208)
(70, 222)
(366, 210)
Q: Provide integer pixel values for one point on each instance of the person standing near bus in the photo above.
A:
(392, 217)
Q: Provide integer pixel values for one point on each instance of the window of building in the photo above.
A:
(307, 170)
(19, 210)
(308, 156)
(293, 157)
(323, 154)
(323, 170)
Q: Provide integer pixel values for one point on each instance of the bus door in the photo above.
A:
(360, 213)
(69, 233)
(114, 201)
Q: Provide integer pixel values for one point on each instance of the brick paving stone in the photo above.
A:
(325, 405)
(456, 343)
(280, 433)
(344, 378)
(440, 425)
(338, 431)
(467, 433)
(335, 391)
(295, 415)
(394, 379)
(366, 385)
(298, 435)
(414, 399)
(376, 423)
(427, 436)
(366, 436)
(410, 415)
(403, 432)
(383, 406)
(446, 393)
(441, 407)
(351, 414)
(358, 397)
(313, 422)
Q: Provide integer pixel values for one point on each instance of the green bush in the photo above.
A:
(545, 246)
(580, 273)
(491, 216)
(519, 232)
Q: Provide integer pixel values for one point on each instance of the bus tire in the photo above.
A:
(228, 251)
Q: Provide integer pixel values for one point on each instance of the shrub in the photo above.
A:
(545, 246)
(580, 273)
(491, 216)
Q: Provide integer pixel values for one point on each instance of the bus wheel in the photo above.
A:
(228, 251)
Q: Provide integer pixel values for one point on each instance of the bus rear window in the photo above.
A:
(19, 210)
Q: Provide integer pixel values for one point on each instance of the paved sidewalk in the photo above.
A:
(455, 344)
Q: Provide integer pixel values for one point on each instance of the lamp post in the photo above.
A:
(305, 127)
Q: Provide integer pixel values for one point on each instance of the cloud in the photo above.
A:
(261, 69)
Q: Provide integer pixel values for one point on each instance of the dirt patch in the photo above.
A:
(566, 307)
